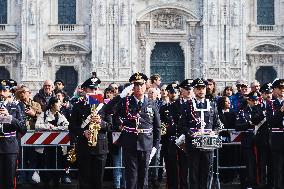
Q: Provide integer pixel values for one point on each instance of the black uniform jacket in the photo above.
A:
(245, 121)
(189, 119)
(9, 145)
(81, 110)
(149, 118)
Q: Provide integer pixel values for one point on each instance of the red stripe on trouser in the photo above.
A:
(50, 138)
(256, 163)
(33, 138)
(65, 140)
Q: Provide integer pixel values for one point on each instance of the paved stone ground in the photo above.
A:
(108, 185)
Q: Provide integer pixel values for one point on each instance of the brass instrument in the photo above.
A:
(93, 128)
(163, 128)
(71, 155)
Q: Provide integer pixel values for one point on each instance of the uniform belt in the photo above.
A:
(8, 135)
(137, 131)
(276, 130)
(198, 130)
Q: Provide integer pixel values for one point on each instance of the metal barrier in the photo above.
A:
(235, 140)
(41, 139)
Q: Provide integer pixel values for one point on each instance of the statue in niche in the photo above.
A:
(143, 29)
(213, 16)
(235, 20)
(213, 54)
(102, 15)
(101, 55)
(31, 56)
(31, 11)
(123, 56)
(236, 54)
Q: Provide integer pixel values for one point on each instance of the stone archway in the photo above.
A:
(4, 73)
(171, 25)
(69, 76)
(265, 62)
(265, 74)
(68, 54)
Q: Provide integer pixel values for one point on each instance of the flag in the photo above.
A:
(95, 99)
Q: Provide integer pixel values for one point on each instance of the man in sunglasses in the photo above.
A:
(140, 136)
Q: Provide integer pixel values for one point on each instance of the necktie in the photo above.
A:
(139, 105)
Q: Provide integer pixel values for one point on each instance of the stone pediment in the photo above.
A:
(168, 20)
(67, 49)
(6, 49)
(268, 48)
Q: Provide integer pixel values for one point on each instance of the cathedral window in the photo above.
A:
(3, 11)
(265, 12)
(66, 11)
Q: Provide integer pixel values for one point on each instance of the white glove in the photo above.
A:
(36, 177)
(154, 150)
(126, 91)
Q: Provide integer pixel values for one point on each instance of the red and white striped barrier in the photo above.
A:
(45, 138)
(235, 136)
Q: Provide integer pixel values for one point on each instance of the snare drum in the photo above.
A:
(207, 141)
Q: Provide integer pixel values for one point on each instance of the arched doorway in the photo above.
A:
(70, 78)
(265, 74)
(167, 59)
(4, 73)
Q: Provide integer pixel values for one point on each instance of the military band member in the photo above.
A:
(186, 94)
(91, 159)
(199, 161)
(262, 140)
(169, 135)
(140, 136)
(9, 147)
(275, 116)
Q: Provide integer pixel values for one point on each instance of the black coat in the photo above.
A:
(189, 121)
(149, 119)
(81, 110)
(10, 145)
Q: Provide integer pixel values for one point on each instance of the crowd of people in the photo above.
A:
(150, 117)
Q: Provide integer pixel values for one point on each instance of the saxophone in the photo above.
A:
(93, 128)
(72, 157)
(163, 128)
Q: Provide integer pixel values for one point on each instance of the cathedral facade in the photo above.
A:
(69, 39)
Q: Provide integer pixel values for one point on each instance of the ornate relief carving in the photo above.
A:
(123, 56)
(142, 56)
(268, 48)
(234, 15)
(57, 67)
(213, 14)
(102, 15)
(143, 29)
(12, 60)
(67, 59)
(124, 16)
(265, 59)
(101, 56)
(213, 73)
(67, 47)
(213, 55)
(5, 48)
(31, 13)
(124, 72)
(168, 19)
(2, 60)
(236, 55)
(224, 16)
(32, 72)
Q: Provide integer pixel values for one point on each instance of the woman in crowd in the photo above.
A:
(227, 153)
(52, 120)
